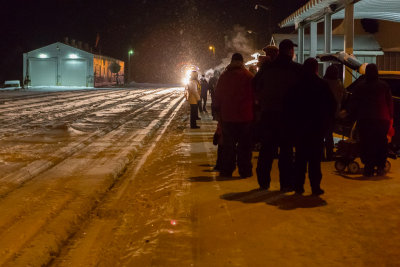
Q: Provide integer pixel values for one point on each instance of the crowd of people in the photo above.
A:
(290, 111)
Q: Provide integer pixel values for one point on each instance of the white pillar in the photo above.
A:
(348, 39)
(300, 43)
(313, 39)
(327, 36)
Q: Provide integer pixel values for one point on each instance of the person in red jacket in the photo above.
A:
(234, 104)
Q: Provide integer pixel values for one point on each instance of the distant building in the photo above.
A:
(61, 64)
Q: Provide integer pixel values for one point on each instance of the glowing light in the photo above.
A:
(43, 56)
(73, 56)
(173, 222)
(186, 78)
(253, 61)
(131, 52)
(186, 71)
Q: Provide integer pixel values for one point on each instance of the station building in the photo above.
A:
(62, 64)
(366, 47)
(314, 12)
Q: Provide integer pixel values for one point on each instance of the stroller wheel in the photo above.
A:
(388, 165)
(354, 167)
(340, 165)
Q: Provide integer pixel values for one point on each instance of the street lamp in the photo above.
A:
(130, 52)
(255, 38)
(212, 49)
(262, 6)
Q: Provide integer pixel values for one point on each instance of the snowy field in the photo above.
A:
(44, 128)
(61, 150)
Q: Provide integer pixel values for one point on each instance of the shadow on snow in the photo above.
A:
(276, 198)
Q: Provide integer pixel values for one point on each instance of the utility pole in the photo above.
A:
(130, 53)
(269, 33)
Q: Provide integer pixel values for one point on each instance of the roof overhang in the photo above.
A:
(314, 10)
(364, 45)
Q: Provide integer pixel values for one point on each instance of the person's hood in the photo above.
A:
(235, 65)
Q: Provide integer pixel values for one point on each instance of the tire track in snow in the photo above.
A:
(46, 241)
(66, 108)
(36, 100)
(28, 172)
(114, 199)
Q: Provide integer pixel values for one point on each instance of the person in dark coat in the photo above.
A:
(312, 106)
(204, 90)
(372, 107)
(234, 104)
(271, 53)
(338, 91)
(212, 84)
(271, 90)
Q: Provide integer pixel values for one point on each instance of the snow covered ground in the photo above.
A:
(114, 177)
(64, 149)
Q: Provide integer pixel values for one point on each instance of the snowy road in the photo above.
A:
(61, 152)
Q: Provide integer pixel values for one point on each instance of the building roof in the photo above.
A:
(373, 9)
(363, 44)
(60, 44)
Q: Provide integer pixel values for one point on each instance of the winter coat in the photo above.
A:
(212, 84)
(311, 106)
(234, 94)
(204, 88)
(192, 91)
(273, 83)
(337, 89)
(372, 99)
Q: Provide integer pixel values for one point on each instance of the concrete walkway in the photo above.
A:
(355, 223)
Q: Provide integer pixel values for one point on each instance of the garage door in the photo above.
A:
(43, 72)
(73, 72)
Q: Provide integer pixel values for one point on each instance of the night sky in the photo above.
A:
(164, 33)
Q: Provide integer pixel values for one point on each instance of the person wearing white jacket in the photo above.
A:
(193, 97)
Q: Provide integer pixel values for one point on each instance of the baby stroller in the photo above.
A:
(348, 150)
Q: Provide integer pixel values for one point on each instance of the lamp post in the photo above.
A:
(269, 35)
(130, 52)
(212, 49)
(255, 38)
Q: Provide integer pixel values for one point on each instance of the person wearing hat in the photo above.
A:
(271, 89)
(312, 107)
(271, 53)
(234, 104)
(193, 97)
